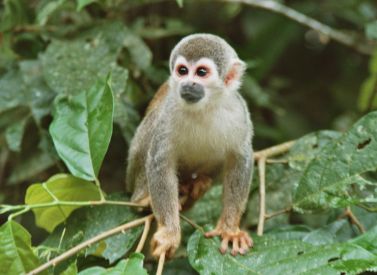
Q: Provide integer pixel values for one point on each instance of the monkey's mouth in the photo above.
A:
(192, 93)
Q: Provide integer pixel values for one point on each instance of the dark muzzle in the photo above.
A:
(192, 92)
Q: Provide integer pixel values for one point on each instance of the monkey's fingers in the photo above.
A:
(161, 248)
(244, 246)
(212, 233)
(248, 239)
(224, 245)
(236, 247)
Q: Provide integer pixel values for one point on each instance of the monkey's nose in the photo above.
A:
(192, 92)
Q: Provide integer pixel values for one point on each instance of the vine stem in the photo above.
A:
(161, 262)
(277, 213)
(364, 46)
(89, 242)
(274, 150)
(262, 157)
(353, 219)
(143, 238)
(27, 207)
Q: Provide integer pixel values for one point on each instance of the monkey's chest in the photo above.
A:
(202, 146)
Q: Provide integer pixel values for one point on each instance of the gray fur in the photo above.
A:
(196, 46)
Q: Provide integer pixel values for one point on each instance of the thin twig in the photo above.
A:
(367, 208)
(161, 262)
(353, 219)
(4, 208)
(147, 226)
(277, 161)
(89, 242)
(191, 222)
(274, 150)
(364, 47)
(262, 195)
(277, 213)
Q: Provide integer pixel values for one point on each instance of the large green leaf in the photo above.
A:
(272, 255)
(282, 178)
(88, 62)
(132, 265)
(87, 222)
(82, 128)
(60, 187)
(340, 165)
(16, 253)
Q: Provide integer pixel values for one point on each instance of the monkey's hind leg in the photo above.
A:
(141, 193)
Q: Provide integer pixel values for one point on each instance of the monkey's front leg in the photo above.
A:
(163, 190)
(235, 193)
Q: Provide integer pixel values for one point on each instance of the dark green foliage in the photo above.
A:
(75, 79)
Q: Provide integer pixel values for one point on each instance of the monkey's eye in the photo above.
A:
(182, 70)
(201, 71)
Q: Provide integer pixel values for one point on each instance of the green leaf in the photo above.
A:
(88, 222)
(340, 165)
(60, 187)
(15, 13)
(14, 135)
(282, 178)
(71, 269)
(90, 60)
(180, 3)
(271, 255)
(47, 10)
(16, 253)
(82, 128)
(132, 265)
(83, 3)
(368, 95)
(371, 30)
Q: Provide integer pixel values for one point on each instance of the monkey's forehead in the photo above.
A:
(195, 47)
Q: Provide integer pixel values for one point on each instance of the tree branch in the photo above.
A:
(89, 242)
(364, 47)
(262, 194)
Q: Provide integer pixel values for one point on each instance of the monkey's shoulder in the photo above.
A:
(158, 97)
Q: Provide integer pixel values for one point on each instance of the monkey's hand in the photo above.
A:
(240, 239)
(165, 240)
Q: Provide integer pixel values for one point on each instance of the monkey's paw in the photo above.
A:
(165, 240)
(240, 239)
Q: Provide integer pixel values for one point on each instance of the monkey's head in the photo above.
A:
(203, 68)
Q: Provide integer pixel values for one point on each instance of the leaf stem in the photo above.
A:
(102, 196)
(89, 242)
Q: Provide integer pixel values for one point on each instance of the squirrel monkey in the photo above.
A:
(196, 128)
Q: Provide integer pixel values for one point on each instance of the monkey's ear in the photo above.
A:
(233, 76)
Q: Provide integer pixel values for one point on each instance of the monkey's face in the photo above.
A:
(195, 82)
